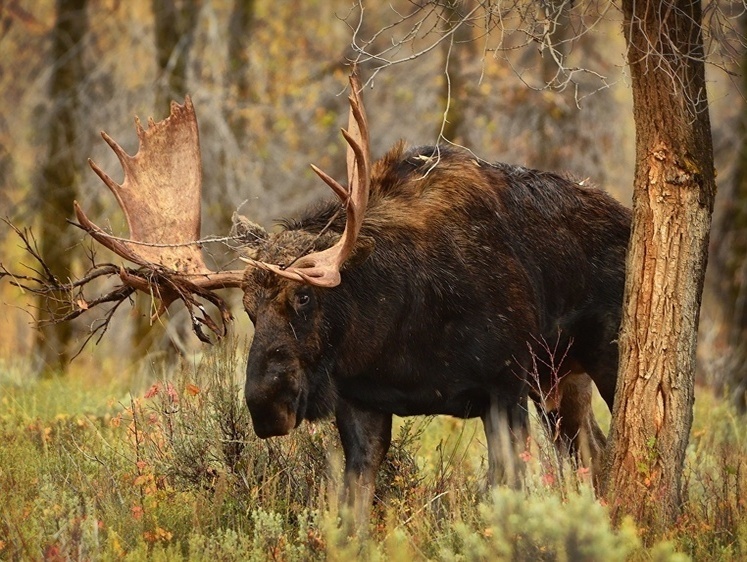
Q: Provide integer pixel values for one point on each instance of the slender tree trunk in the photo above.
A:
(175, 21)
(58, 183)
(550, 130)
(239, 72)
(175, 27)
(672, 204)
(240, 96)
(737, 264)
(729, 280)
(457, 53)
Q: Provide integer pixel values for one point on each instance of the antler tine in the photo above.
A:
(110, 183)
(322, 269)
(341, 192)
(357, 133)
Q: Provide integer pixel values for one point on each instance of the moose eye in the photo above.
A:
(302, 300)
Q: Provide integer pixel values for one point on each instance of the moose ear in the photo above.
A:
(247, 232)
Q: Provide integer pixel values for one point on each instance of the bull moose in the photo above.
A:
(427, 287)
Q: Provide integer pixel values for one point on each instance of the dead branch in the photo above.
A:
(39, 280)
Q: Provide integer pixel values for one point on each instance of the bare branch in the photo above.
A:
(550, 26)
(153, 279)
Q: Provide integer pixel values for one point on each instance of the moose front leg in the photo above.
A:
(506, 425)
(365, 438)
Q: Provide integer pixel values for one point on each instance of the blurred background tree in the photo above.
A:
(174, 34)
(57, 181)
(542, 85)
(724, 333)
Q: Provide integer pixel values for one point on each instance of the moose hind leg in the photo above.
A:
(573, 425)
(506, 425)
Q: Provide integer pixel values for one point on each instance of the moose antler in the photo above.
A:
(323, 268)
(160, 197)
(160, 194)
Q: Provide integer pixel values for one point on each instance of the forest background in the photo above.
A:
(267, 81)
(269, 91)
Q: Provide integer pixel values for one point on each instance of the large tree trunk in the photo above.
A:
(672, 204)
(58, 183)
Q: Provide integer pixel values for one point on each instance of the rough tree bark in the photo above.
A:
(57, 184)
(673, 197)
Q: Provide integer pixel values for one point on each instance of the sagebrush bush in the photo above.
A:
(713, 524)
(514, 525)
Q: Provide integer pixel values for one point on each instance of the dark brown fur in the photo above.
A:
(463, 271)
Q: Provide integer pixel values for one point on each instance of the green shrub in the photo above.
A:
(515, 525)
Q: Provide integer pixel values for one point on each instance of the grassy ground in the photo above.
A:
(154, 466)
